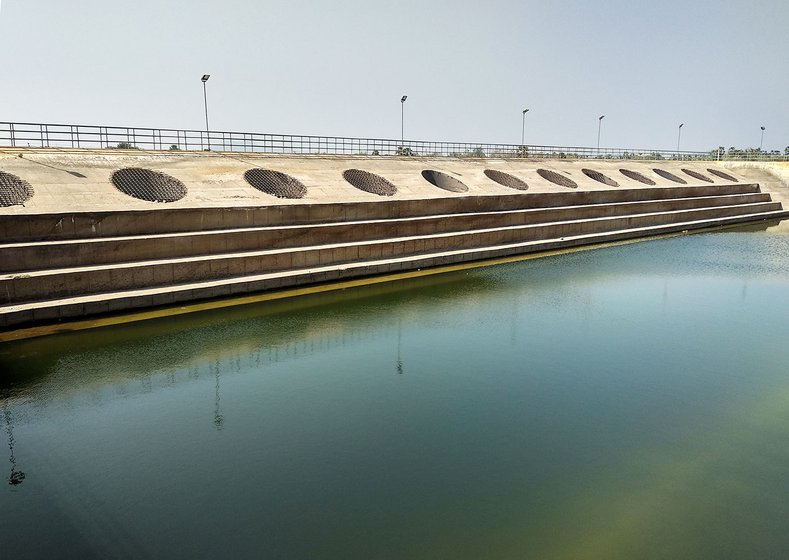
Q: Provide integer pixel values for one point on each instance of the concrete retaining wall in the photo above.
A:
(80, 245)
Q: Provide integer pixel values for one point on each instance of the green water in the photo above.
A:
(622, 403)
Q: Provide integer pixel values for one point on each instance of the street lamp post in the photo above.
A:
(402, 117)
(523, 127)
(679, 135)
(599, 125)
(761, 142)
(204, 79)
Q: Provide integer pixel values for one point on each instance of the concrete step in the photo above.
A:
(60, 308)
(75, 281)
(42, 255)
(85, 225)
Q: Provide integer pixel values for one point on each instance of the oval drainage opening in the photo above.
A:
(557, 178)
(697, 175)
(444, 181)
(14, 190)
(275, 183)
(670, 176)
(636, 176)
(369, 182)
(145, 184)
(723, 175)
(599, 177)
(506, 179)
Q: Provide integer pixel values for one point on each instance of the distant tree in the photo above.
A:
(125, 146)
(174, 148)
(786, 151)
(401, 151)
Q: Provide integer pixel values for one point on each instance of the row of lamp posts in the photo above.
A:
(205, 77)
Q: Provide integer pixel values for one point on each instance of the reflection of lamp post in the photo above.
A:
(204, 79)
(599, 125)
(218, 418)
(16, 477)
(399, 340)
(402, 117)
(523, 127)
(761, 142)
(679, 135)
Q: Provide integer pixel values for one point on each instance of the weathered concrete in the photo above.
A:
(81, 246)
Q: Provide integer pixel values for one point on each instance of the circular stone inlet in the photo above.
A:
(506, 179)
(670, 176)
(443, 181)
(723, 175)
(275, 183)
(636, 176)
(148, 185)
(599, 177)
(13, 190)
(369, 182)
(697, 175)
(557, 178)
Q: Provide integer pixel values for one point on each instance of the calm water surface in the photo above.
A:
(628, 402)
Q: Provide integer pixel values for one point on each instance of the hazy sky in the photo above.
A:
(468, 68)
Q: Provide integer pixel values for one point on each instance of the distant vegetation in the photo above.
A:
(126, 146)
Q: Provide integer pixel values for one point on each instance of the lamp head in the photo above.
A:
(762, 129)
(525, 111)
(601, 117)
(403, 99)
(205, 77)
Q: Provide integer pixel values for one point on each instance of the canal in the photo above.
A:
(624, 402)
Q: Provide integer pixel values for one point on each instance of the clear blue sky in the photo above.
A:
(468, 68)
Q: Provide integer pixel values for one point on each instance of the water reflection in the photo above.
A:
(219, 419)
(598, 405)
(16, 477)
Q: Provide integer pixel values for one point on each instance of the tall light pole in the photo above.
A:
(523, 127)
(679, 134)
(761, 142)
(204, 79)
(599, 125)
(402, 117)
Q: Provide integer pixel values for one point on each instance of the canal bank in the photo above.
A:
(105, 231)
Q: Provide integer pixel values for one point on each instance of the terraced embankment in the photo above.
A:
(96, 232)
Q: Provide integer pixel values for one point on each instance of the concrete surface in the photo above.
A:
(80, 246)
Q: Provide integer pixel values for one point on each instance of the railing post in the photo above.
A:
(13, 140)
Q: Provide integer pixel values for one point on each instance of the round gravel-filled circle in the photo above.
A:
(636, 176)
(697, 175)
(145, 184)
(369, 182)
(670, 176)
(599, 177)
(723, 175)
(506, 179)
(13, 190)
(557, 178)
(275, 183)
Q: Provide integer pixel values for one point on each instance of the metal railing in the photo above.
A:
(65, 136)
